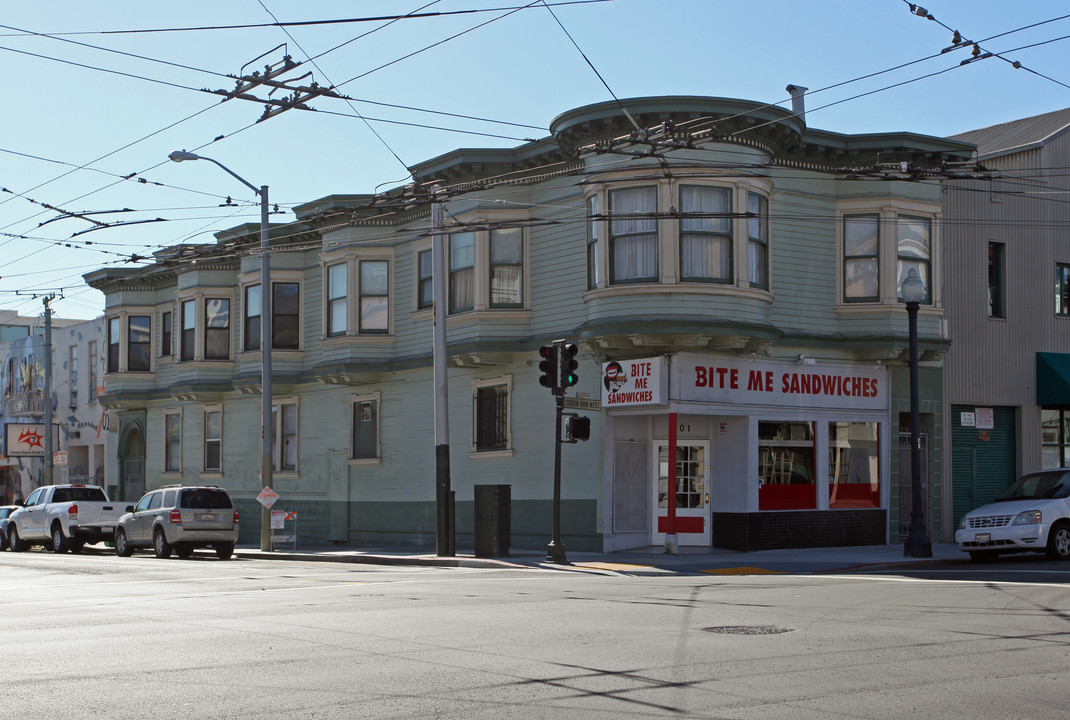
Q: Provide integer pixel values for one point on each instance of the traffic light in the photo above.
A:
(568, 365)
(578, 427)
(548, 366)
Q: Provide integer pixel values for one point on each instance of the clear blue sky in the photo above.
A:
(70, 131)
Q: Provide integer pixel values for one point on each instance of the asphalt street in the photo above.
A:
(100, 636)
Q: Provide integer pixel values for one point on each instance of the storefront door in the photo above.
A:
(692, 493)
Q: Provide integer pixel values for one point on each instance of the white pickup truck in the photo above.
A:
(64, 517)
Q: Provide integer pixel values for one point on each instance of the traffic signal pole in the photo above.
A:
(555, 551)
(558, 374)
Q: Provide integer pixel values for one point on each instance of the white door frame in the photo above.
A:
(702, 539)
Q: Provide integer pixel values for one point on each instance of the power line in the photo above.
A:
(300, 23)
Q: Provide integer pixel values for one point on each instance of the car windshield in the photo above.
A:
(205, 499)
(1038, 486)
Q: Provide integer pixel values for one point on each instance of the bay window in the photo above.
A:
(188, 337)
(114, 338)
(758, 240)
(592, 224)
(216, 329)
(705, 234)
(139, 348)
(374, 296)
(425, 284)
(507, 268)
(166, 331)
(633, 235)
(285, 315)
(252, 320)
(861, 258)
(337, 309)
(914, 248)
(462, 271)
(880, 242)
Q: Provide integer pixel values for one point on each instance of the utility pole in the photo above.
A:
(445, 532)
(47, 475)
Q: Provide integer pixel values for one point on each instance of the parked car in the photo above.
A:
(1032, 515)
(63, 517)
(5, 510)
(179, 519)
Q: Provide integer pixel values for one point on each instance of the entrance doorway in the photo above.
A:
(132, 466)
(692, 493)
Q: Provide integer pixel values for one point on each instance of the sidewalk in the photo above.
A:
(642, 561)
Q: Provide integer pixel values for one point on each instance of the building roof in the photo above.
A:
(1017, 135)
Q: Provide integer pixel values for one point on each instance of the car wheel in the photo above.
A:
(3, 541)
(223, 551)
(17, 543)
(160, 545)
(1059, 541)
(59, 543)
(184, 551)
(984, 555)
(122, 547)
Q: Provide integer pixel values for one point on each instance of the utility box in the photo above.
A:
(493, 520)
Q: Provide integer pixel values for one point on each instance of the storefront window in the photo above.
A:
(854, 465)
(786, 466)
(1055, 438)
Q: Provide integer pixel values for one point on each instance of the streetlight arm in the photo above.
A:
(180, 155)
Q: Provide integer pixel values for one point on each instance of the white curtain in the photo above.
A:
(705, 241)
(635, 238)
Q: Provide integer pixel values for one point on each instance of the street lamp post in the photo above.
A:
(266, 461)
(918, 544)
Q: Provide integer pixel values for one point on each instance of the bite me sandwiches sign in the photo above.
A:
(714, 379)
(794, 384)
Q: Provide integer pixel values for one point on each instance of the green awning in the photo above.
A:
(1053, 379)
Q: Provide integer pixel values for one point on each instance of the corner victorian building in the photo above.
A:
(730, 275)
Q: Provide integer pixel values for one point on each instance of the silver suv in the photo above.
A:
(179, 519)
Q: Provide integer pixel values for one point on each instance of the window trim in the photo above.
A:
(480, 224)
(1062, 289)
(72, 374)
(94, 375)
(277, 446)
(876, 257)
(354, 402)
(669, 236)
(889, 211)
(164, 455)
(278, 277)
(119, 324)
(478, 384)
(728, 237)
(352, 258)
(205, 411)
(167, 332)
(997, 286)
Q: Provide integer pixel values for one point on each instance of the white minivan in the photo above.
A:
(1032, 515)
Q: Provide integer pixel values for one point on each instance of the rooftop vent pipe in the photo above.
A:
(798, 105)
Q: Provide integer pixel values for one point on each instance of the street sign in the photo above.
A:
(267, 497)
(581, 404)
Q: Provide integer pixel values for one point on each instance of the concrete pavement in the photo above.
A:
(651, 560)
